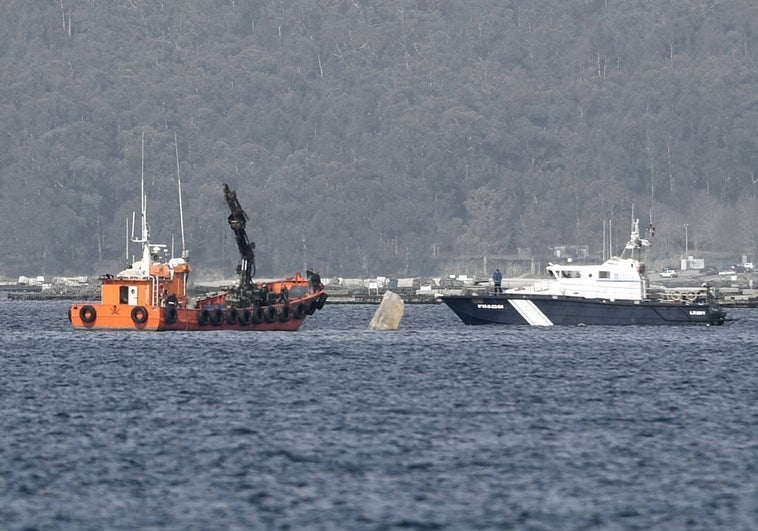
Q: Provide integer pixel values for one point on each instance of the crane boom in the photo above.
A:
(237, 221)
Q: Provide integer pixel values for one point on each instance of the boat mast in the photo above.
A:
(126, 241)
(185, 251)
(145, 237)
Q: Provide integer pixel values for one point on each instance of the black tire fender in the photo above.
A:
(87, 314)
(139, 314)
(217, 316)
(232, 316)
(269, 314)
(284, 313)
(245, 317)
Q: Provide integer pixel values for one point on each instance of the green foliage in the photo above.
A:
(369, 138)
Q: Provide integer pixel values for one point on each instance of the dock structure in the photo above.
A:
(417, 290)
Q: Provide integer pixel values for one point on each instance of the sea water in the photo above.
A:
(434, 426)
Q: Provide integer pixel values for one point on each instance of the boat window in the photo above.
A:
(123, 294)
(605, 274)
(571, 274)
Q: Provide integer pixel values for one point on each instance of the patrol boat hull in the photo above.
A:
(539, 310)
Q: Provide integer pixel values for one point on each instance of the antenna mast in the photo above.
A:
(143, 205)
(185, 252)
(145, 240)
(127, 241)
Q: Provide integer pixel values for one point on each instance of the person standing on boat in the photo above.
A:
(284, 295)
(314, 281)
(497, 277)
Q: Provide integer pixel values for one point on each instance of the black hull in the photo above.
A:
(547, 310)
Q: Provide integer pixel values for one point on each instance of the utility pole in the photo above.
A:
(686, 243)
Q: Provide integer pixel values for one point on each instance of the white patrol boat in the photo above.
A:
(616, 292)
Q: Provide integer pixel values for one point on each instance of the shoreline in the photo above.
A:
(729, 297)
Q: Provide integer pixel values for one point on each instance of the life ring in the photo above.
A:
(691, 296)
(298, 312)
(204, 317)
(257, 315)
(269, 314)
(171, 315)
(139, 314)
(321, 300)
(87, 314)
(284, 313)
(216, 316)
(232, 316)
(245, 317)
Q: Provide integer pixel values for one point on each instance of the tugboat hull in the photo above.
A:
(216, 316)
(555, 310)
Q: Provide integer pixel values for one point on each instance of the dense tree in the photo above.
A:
(375, 137)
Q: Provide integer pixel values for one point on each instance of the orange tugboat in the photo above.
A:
(152, 293)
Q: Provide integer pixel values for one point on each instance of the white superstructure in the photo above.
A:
(617, 278)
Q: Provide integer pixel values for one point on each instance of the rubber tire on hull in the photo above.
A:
(257, 316)
(246, 317)
(298, 312)
(232, 316)
(204, 317)
(285, 313)
(321, 300)
(139, 314)
(217, 316)
(269, 314)
(87, 314)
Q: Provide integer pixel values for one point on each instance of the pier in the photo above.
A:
(736, 293)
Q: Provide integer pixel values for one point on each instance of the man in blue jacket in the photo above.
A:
(497, 277)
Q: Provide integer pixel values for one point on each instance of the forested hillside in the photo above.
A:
(375, 137)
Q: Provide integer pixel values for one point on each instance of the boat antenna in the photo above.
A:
(185, 252)
(126, 249)
(143, 205)
(145, 239)
(610, 232)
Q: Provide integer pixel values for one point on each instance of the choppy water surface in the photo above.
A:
(437, 425)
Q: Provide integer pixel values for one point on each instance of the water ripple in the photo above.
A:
(435, 426)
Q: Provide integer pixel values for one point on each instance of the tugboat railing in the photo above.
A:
(155, 294)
